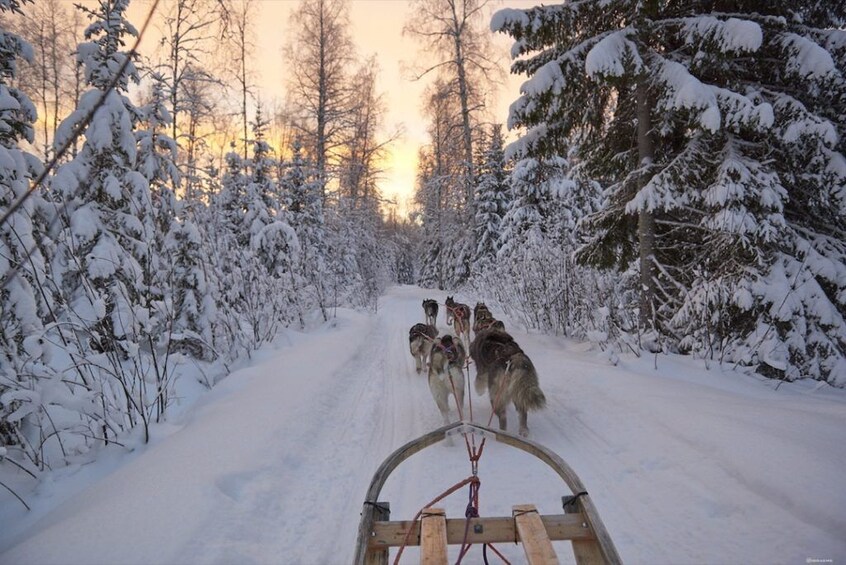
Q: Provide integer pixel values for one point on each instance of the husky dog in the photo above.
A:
(430, 310)
(446, 364)
(483, 319)
(421, 337)
(508, 374)
(483, 324)
(458, 315)
(481, 312)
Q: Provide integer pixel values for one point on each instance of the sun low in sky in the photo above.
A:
(376, 27)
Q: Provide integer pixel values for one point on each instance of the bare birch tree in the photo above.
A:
(240, 20)
(454, 31)
(364, 152)
(320, 54)
(189, 27)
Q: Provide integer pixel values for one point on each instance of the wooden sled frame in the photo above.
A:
(580, 524)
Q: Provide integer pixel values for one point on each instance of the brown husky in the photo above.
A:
(508, 374)
(458, 315)
(421, 337)
(446, 373)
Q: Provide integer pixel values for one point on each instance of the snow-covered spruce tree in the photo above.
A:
(293, 176)
(265, 297)
(156, 160)
(404, 236)
(718, 135)
(229, 258)
(524, 267)
(534, 184)
(105, 238)
(180, 295)
(157, 156)
(192, 293)
(534, 277)
(303, 189)
(492, 200)
(231, 201)
(347, 238)
(25, 301)
(358, 244)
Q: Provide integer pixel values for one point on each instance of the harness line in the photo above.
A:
(459, 319)
(473, 454)
(471, 512)
(495, 550)
(446, 493)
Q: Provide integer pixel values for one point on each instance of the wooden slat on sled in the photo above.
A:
(580, 524)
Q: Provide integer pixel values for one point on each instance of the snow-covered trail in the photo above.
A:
(685, 465)
(269, 469)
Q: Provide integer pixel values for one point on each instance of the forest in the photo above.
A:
(670, 180)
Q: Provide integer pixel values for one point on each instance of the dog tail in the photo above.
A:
(526, 392)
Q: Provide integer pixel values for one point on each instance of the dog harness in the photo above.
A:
(451, 352)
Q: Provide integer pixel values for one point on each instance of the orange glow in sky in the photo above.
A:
(376, 28)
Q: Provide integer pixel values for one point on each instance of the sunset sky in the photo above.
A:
(376, 29)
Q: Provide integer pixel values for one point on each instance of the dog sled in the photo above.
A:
(580, 523)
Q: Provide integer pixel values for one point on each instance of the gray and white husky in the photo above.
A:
(421, 337)
(446, 373)
(509, 376)
(430, 310)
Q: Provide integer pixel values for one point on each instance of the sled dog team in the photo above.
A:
(502, 368)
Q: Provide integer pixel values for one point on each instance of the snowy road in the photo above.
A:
(685, 465)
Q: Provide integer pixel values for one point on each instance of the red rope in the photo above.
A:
(473, 454)
(446, 493)
(455, 310)
(471, 512)
(470, 450)
(501, 556)
(483, 325)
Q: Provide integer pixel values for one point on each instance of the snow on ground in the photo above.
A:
(685, 465)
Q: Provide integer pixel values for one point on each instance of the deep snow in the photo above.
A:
(685, 465)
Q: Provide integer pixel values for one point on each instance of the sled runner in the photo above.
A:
(580, 522)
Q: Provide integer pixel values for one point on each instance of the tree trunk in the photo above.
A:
(244, 88)
(322, 102)
(174, 71)
(646, 220)
(464, 94)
